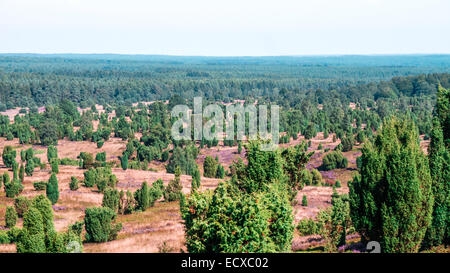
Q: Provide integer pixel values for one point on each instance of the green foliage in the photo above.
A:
(13, 188)
(4, 237)
(165, 156)
(316, 177)
(52, 153)
(29, 167)
(98, 222)
(21, 174)
(38, 234)
(439, 162)
(305, 177)
(55, 166)
(334, 160)
(48, 132)
(310, 131)
(9, 156)
(196, 180)
(21, 204)
(10, 217)
(246, 214)
(304, 201)
(142, 197)
(68, 162)
(156, 191)
(338, 184)
(294, 166)
(111, 199)
(124, 162)
(44, 206)
(100, 144)
(173, 190)
(6, 178)
(391, 200)
(210, 167)
(335, 223)
(347, 143)
(52, 190)
(308, 227)
(40, 185)
(102, 177)
(74, 183)
(184, 158)
(220, 171)
(31, 239)
(87, 160)
(126, 202)
(100, 157)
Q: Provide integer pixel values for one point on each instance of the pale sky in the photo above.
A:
(225, 28)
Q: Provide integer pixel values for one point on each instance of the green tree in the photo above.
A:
(304, 201)
(29, 167)
(391, 200)
(21, 173)
(220, 171)
(31, 238)
(124, 162)
(74, 183)
(334, 160)
(196, 179)
(316, 177)
(249, 213)
(55, 166)
(52, 190)
(173, 190)
(142, 198)
(294, 166)
(87, 160)
(52, 153)
(9, 156)
(48, 132)
(439, 162)
(111, 199)
(10, 217)
(21, 204)
(98, 223)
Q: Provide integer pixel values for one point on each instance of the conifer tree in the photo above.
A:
(21, 173)
(52, 153)
(391, 200)
(439, 161)
(52, 190)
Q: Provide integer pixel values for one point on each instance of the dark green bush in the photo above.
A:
(98, 222)
(111, 199)
(21, 204)
(10, 217)
(52, 190)
(307, 227)
(334, 160)
(40, 185)
(304, 201)
(74, 184)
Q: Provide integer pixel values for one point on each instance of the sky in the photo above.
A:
(225, 28)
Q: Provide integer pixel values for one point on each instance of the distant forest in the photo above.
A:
(32, 80)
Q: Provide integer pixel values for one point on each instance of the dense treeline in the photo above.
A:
(28, 80)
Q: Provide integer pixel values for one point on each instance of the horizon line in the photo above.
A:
(231, 56)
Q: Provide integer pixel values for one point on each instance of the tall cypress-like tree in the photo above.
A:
(52, 189)
(52, 153)
(391, 200)
(439, 159)
(22, 173)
